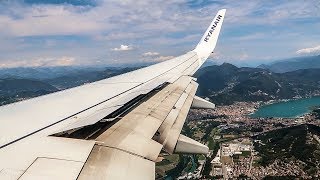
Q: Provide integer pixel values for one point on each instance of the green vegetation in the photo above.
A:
(201, 157)
(293, 143)
(246, 153)
(187, 131)
(208, 130)
(211, 144)
(280, 177)
(243, 176)
(173, 158)
(174, 165)
(164, 162)
(207, 167)
(256, 129)
(177, 170)
(316, 113)
(167, 164)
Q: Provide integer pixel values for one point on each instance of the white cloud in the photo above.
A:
(42, 20)
(151, 54)
(163, 58)
(148, 24)
(306, 51)
(123, 48)
(250, 37)
(63, 61)
(39, 62)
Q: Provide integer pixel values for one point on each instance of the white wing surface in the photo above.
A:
(110, 129)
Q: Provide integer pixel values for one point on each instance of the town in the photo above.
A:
(231, 135)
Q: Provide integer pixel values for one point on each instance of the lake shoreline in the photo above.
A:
(299, 108)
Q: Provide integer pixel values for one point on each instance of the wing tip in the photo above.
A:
(208, 41)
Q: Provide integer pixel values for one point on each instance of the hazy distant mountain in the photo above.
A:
(293, 64)
(223, 84)
(41, 73)
(12, 90)
(17, 85)
(83, 77)
(226, 84)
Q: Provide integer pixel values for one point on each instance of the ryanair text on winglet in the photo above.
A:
(206, 39)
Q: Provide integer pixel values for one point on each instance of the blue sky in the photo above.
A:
(101, 32)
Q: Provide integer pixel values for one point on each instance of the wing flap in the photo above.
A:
(174, 132)
(134, 132)
(200, 103)
(130, 141)
(187, 145)
(111, 163)
(21, 155)
(52, 169)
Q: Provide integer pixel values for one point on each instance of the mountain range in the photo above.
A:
(293, 64)
(43, 73)
(15, 88)
(78, 78)
(12, 90)
(227, 83)
(223, 84)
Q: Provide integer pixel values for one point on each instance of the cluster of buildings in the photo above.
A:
(233, 159)
(237, 115)
(279, 168)
(237, 157)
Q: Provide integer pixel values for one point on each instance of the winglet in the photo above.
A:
(209, 39)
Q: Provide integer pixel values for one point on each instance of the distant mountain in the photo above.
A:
(41, 73)
(65, 76)
(82, 77)
(226, 84)
(18, 85)
(293, 64)
(12, 90)
(223, 84)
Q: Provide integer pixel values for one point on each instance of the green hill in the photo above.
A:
(298, 143)
(226, 84)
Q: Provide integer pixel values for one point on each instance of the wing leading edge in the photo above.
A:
(153, 110)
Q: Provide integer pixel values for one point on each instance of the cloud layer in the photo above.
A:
(39, 62)
(90, 30)
(307, 51)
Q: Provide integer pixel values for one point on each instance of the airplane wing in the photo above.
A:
(110, 129)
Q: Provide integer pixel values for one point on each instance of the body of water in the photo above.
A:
(289, 109)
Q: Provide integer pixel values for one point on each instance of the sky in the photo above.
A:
(107, 32)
